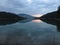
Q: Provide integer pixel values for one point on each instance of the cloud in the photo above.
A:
(29, 6)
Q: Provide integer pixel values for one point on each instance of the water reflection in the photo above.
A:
(24, 32)
(31, 32)
(37, 21)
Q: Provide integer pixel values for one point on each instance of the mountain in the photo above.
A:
(26, 16)
(9, 18)
(52, 18)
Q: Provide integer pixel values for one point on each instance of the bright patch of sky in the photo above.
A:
(29, 6)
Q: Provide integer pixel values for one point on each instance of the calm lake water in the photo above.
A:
(34, 32)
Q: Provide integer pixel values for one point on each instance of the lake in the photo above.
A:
(35, 32)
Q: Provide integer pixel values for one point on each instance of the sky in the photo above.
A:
(29, 6)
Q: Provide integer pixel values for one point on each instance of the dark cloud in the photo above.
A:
(30, 7)
(17, 4)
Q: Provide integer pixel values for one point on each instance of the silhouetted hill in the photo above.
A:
(52, 18)
(9, 18)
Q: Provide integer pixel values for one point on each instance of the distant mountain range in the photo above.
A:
(26, 16)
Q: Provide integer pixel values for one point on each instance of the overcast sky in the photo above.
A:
(29, 6)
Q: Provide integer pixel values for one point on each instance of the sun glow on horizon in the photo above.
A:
(37, 15)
